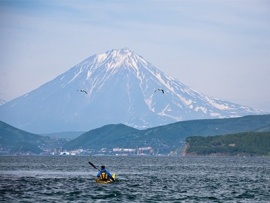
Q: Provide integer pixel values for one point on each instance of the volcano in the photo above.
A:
(118, 86)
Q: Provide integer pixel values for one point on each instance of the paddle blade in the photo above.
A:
(93, 165)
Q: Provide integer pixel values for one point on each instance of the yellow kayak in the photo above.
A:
(106, 181)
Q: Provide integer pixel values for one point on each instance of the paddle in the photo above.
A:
(93, 165)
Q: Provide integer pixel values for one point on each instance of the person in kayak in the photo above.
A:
(104, 174)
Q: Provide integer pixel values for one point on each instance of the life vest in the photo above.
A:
(104, 176)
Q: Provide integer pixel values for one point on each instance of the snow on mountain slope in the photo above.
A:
(2, 102)
(117, 87)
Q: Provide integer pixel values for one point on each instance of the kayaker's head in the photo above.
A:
(102, 167)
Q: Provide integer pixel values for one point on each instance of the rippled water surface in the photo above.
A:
(139, 179)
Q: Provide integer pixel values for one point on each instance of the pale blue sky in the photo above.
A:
(219, 48)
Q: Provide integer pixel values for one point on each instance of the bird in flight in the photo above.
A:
(81, 90)
(160, 90)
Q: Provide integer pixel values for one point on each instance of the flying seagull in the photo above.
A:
(160, 90)
(83, 91)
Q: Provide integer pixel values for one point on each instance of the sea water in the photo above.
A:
(139, 179)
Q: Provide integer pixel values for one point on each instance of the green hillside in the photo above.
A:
(249, 143)
(166, 138)
(108, 136)
(16, 141)
(162, 139)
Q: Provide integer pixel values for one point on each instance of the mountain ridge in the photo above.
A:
(166, 138)
(17, 141)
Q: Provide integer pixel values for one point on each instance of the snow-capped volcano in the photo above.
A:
(118, 86)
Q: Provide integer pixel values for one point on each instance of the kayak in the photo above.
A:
(106, 181)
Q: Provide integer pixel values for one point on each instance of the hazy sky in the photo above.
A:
(220, 48)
